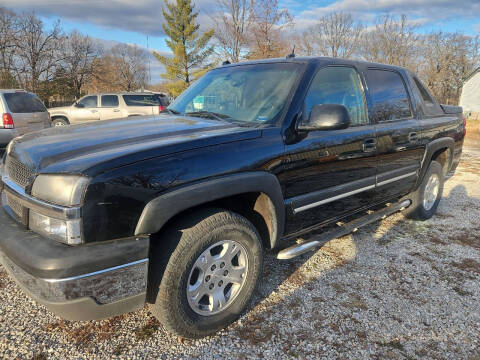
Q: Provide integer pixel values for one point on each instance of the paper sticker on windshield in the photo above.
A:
(198, 102)
(262, 118)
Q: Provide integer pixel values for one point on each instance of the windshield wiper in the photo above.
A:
(171, 111)
(209, 114)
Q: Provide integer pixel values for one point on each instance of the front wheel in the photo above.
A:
(426, 198)
(60, 122)
(211, 275)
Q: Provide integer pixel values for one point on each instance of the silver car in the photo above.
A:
(108, 106)
(22, 112)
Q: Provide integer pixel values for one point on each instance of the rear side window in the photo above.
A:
(389, 96)
(429, 106)
(23, 103)
(142, 100)
(109, 100)
(423, 92)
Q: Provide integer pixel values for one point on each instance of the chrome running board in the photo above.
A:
(342, 230)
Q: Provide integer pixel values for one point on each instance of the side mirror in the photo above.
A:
(78, 105)
(326, 117)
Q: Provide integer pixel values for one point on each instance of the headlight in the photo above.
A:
(66, 190)
(66, 231)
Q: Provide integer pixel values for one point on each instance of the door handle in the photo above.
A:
(116, 110)
(94, 111)
(369, 145)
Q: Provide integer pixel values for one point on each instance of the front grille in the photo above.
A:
(17, 171)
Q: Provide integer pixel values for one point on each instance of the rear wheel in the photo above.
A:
(60, 122)
(211, 275)
(426, 198)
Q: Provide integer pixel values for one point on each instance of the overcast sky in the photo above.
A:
(132, 21)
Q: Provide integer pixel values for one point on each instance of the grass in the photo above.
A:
(148, 330)
(395, 344)
(467, 265)
(473, 130)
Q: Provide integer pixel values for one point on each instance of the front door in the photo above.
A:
(86, 109)
(330, 174)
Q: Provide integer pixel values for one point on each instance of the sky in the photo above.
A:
(133, 21)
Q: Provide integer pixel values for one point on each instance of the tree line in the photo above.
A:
(256, 29)
(63, 66)
(52, 63)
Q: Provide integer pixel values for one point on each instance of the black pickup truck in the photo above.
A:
(176, 210)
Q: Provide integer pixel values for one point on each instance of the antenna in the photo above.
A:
(292, 55)
(149, 72)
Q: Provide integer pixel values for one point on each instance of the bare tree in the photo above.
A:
(392, 41)
(78, 54)
(268, 23)
(448, 58)
(335, 35)
(304, 43)
(8, 34)
(232, 23)
(37, 51)
(130, 63)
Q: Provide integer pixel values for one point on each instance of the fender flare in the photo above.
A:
(60, 115)
(164, 207)
(431, 149)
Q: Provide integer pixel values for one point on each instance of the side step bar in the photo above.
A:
(345, 229)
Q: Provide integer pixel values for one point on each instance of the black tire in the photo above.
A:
(193, 237)
(60, 121)
(417, 209)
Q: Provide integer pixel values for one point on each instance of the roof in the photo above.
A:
(126, 93)
(472, 74)
(12, 90)
(314, 60)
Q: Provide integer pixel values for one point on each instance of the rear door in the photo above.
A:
(85, 110)
(399, 146)
(331, 173)
(27, 110)
(110, 107)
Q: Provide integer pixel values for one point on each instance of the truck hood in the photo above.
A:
(90, 149)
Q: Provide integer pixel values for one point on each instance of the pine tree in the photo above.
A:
(190, 48)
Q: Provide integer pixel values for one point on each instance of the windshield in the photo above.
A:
(254, 94)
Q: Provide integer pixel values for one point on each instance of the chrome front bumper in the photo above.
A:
(84, 282)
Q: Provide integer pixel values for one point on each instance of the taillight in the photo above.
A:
(161, 108)
(464, 124)
(7, 121)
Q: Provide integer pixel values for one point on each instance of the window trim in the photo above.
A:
(362, 86)
(109, 107)
(407, 90)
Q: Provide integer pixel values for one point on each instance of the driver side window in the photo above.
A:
(338, 85)
(89, 102)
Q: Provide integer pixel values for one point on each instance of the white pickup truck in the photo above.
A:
(108, 106)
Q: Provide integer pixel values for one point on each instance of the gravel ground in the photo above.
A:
(395, 289)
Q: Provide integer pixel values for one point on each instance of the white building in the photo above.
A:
(470, 98)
